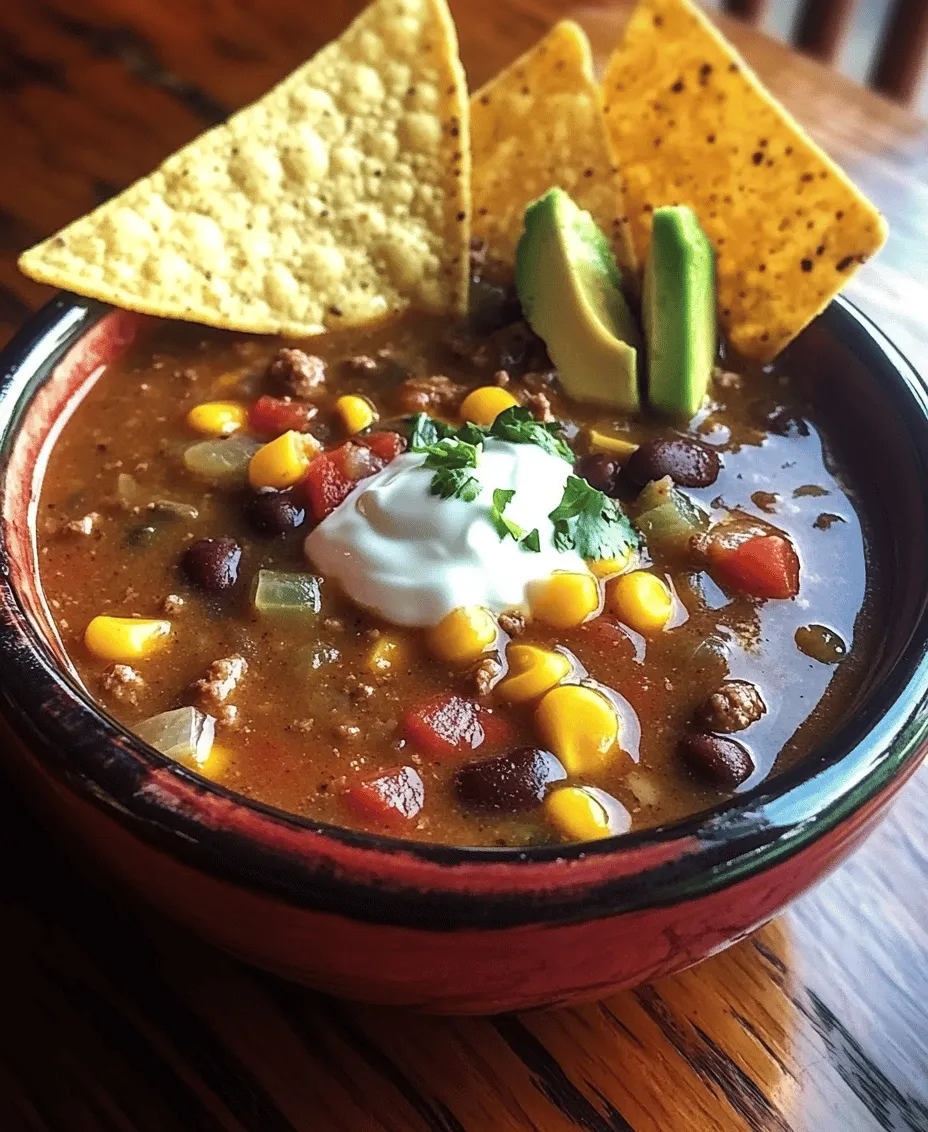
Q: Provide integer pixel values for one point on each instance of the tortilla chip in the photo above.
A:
(340, 196)
(690, 124)
(537, 125)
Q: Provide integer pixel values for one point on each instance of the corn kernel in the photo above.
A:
(217, 418)
(463, 635)
(607, 567)
(532, 672)
(386, 654)
(485, 404)
(284, 461)
(122, 639)
(580, 726)
(564, 600)
(357, 413)
(615, 446)
(584, 813)
(641, 600)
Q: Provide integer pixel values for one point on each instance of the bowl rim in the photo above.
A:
(389, 879)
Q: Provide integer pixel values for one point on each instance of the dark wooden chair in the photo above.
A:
(899, 59)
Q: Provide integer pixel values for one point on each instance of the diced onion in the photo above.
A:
(183, 733)
(222, 460)
(289, 595)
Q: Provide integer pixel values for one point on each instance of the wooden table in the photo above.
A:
(114, 1023)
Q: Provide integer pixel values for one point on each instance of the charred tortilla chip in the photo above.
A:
(340, 196)
(537, 125)
(689, 123)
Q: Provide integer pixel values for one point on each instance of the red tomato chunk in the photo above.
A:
(386, 445)
(452, 725)
(327, 484)
(764, 566)
(395, 797)
(276, 415)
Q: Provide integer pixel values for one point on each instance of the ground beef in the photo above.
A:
(735, 705)
(539, 405)
(173, 603)
(429, 394)
(221, 680)
(122, 682)
(293, 373)
(485, 675)
(512, 623)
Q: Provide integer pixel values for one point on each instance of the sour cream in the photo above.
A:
(395, 548)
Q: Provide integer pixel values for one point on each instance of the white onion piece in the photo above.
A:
(222, 461)
(183, 733)
(290, 595)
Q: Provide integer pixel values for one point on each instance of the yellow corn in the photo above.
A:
(357, 413)
(583, 813)
(615, 446)
(564, 600)
(463, 635)
(580, 726)
(284, 461)
(641, 600)
(532, 672)
(217, 418)
(485, 404)
(607, 567)
(386, 654)
(123, 639)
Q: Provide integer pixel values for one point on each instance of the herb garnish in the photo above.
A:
(590, 523)
(501, 498)
(585, 520)
(532, 541)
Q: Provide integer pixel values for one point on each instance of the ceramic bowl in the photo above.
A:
(456, 929)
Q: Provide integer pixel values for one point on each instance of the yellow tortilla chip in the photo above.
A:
(690, 124)
(537, 125)
(340, 196)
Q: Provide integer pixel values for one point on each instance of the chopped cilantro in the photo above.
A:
(532, 541)
(425, 431)
(592, 524)
(501, 498)
(455, 483)
(517, 425)
(451, 459)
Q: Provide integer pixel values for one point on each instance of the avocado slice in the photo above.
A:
(678, 308)
(569, 285)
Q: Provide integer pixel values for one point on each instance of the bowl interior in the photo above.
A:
(880, 409)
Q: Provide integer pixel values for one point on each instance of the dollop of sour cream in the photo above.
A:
(395, 548)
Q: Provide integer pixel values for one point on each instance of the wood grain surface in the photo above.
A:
(112, 1021)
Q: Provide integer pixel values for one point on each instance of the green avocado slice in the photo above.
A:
(569, 285)
(678, 308)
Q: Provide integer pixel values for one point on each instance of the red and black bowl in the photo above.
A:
(436, 927)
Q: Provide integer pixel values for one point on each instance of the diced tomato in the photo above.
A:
(395, 797)
(326, 483)
(763, 566)
(274, 416)
(386, 445)
(451, 725)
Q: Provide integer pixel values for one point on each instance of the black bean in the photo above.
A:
(275, 512)
(723, 763)
(511, 783)
(599, 472)
(688, 462)
(211, 564)
(491, 307)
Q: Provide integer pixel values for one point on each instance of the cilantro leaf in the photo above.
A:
(532, 541)
(589, 522)
(501, 499)
(517, 425)
(455, 483)
(425, 431)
